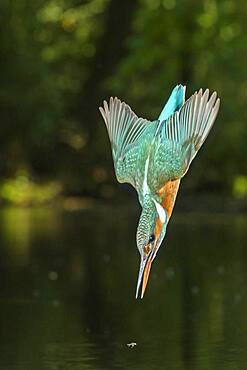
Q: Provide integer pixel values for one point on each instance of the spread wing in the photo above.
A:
(189, 127)
(124, 130)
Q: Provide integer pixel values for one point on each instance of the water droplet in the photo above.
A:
(237, 298)
(221, 269)
(55, 303)
(131, 345)
(36, 293)
(53, 275)
(195, 290)
(106, 258)
(170, 273)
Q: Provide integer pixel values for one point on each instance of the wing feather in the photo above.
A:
(123, 126)
(190, 126)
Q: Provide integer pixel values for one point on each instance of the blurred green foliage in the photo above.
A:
(60, 59)
(22, 191)
(240, 186)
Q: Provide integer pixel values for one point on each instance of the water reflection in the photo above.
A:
(68, 283)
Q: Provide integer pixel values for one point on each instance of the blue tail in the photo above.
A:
(174, 103)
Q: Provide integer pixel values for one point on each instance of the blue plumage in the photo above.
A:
(154, 156)
(174, 103)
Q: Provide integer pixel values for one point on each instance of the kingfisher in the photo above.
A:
(153, 156)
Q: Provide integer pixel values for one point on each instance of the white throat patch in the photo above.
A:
(145, 183)
(161, 211)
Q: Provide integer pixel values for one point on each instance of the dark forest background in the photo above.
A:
(61, 58)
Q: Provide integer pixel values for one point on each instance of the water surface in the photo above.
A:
(67, 285)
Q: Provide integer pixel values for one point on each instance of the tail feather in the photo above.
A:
(174, 103)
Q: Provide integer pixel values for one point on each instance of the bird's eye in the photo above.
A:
(151, 238)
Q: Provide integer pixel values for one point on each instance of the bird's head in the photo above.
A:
(150, 233)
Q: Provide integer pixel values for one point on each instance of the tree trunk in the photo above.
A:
(109, 51)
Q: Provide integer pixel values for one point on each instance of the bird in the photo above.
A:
(153, 156)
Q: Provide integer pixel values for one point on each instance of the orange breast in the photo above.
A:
(168, 194)
(158, 228)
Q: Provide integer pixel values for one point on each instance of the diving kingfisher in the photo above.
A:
(153, 156)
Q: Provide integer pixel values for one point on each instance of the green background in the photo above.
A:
(60, 59)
